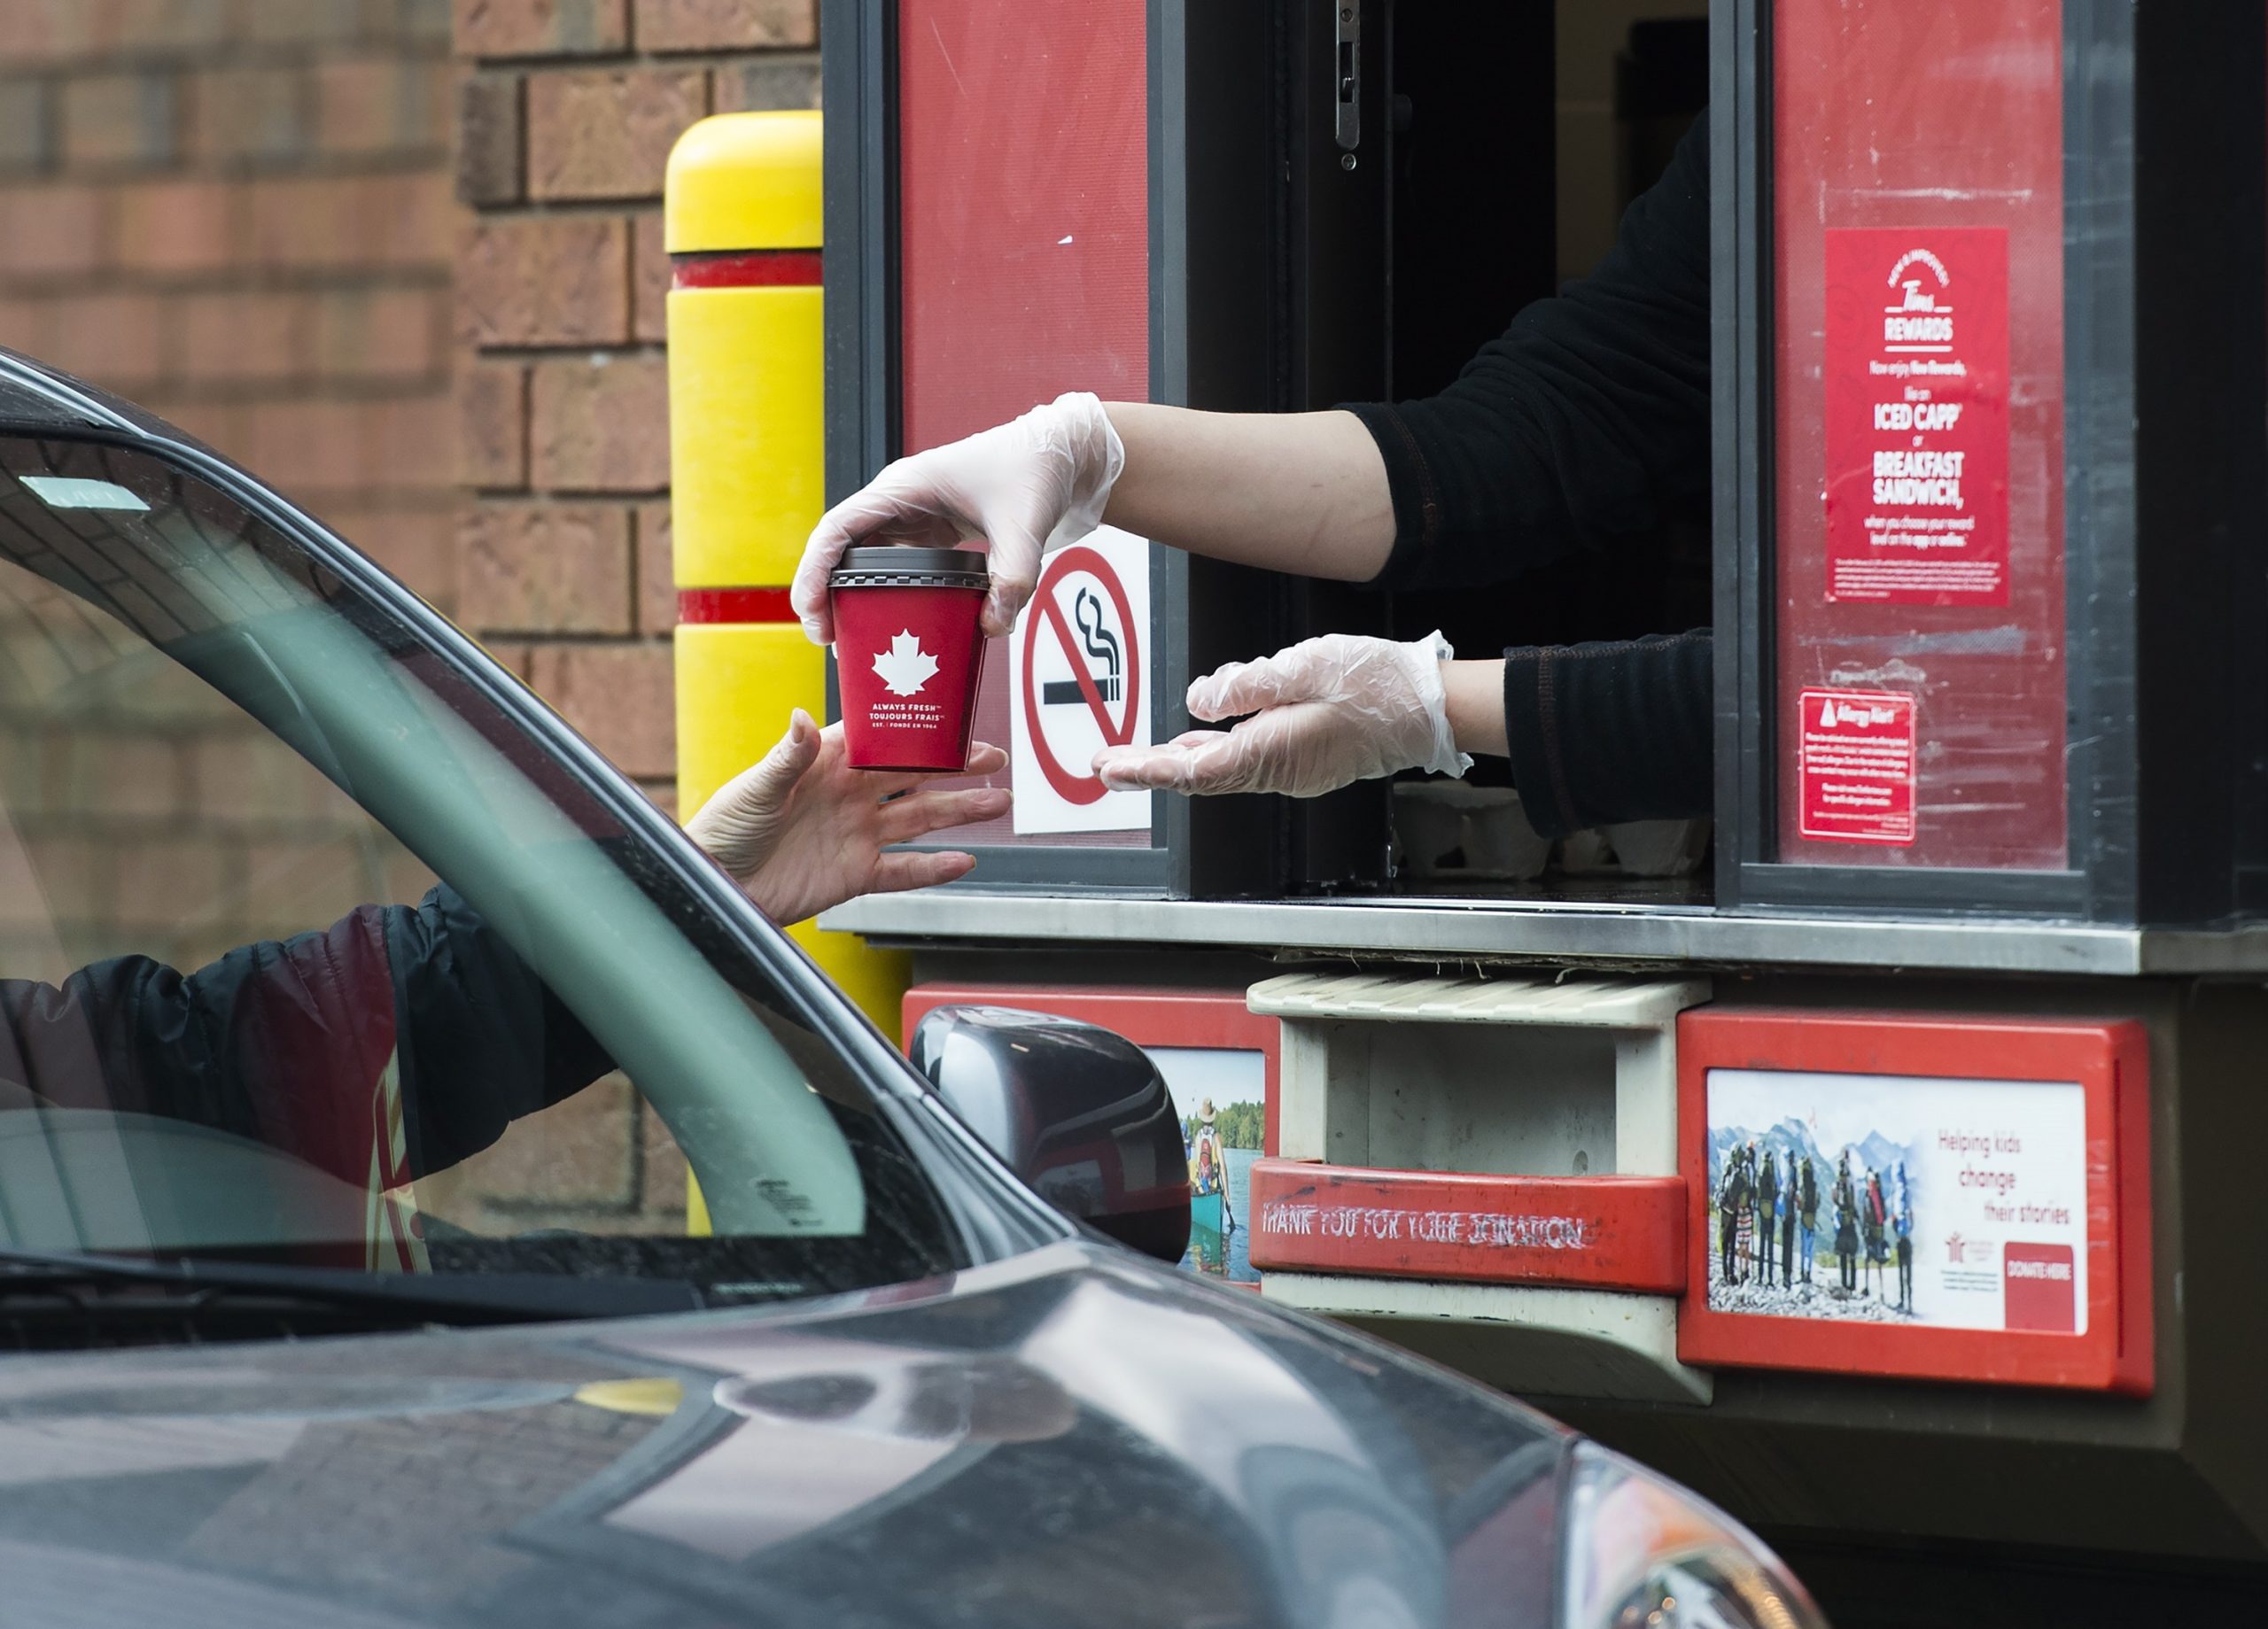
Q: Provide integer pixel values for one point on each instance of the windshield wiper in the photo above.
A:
(82, 1284)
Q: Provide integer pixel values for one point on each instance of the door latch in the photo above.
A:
(1347, 79)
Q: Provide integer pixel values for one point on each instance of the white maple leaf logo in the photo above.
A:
(906, 667)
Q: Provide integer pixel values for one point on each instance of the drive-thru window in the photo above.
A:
(1872, 1156)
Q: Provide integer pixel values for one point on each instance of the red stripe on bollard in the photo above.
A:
(746, 268)
(733, 605)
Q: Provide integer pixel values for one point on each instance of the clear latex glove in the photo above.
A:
(1024, 486)
(802, 830)
(1325, 713)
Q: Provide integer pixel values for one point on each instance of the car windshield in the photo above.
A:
(309, 954)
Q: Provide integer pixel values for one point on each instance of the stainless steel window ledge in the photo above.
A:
(1557, 932)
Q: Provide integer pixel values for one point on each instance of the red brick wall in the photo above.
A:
(566, 117)
(237, 213)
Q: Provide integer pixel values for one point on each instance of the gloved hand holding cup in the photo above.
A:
(1022, 487)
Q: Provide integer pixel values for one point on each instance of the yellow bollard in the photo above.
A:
(741, 223)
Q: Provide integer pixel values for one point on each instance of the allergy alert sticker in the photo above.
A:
(1858, 760)
(1917, 416)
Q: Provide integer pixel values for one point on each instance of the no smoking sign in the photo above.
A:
(1079, 680)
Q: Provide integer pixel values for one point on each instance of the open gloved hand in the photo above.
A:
(802, 830)
(1038, 480)
(1325, 713)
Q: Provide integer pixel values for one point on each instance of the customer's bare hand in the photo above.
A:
(802, 830)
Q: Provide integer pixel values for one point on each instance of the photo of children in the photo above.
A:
(1796, 1234)
(1822, 1189)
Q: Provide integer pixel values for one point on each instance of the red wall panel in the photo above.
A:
(1922, 124)
(1024, 266)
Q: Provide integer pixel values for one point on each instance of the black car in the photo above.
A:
(358, 1028)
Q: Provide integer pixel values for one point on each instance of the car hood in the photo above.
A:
(1073, 1437)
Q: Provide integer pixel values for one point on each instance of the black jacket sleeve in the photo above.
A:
(1586, 420)
(313, 1044)
(484, 1041)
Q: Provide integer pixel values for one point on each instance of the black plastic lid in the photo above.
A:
(895, 563)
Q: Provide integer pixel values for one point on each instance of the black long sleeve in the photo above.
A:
(1609, 732)
(1585, 422)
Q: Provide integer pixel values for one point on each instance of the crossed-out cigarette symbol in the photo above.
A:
(1100, 643)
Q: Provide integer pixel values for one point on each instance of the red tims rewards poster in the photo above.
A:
(1917, 416)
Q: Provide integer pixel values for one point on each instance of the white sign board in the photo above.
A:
(1957, 1204)
(1079, 679)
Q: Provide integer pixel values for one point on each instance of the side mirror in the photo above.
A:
(1078, 1112)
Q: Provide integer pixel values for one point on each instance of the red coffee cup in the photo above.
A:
(908, 654)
